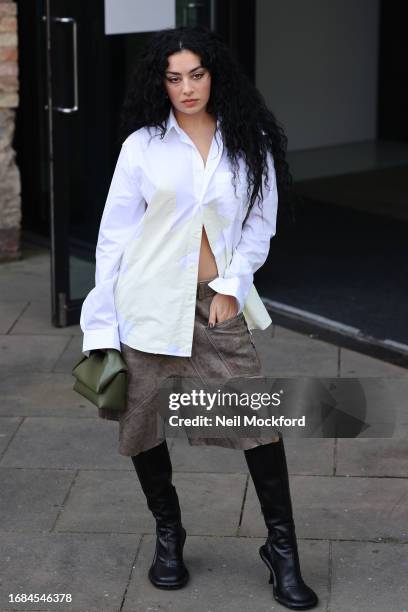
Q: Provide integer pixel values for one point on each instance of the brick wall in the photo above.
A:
(10, 203)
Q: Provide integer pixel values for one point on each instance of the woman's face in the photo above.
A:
(185, 80)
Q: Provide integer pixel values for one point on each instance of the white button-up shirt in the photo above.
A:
(147, 253)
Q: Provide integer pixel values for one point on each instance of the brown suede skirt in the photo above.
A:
(224, 351)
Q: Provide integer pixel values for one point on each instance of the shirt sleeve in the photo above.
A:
(253, 247)
(123, 209)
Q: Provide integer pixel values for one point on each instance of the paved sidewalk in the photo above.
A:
(74, 519)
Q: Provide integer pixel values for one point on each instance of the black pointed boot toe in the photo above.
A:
(268, 469)
(154, 470)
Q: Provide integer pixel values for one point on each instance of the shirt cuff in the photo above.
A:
(100, 338)
(229, 286)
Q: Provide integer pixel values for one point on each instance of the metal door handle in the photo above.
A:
(70, 20)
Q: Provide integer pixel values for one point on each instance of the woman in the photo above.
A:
(188, 220)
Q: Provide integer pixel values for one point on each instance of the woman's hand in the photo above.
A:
(222, 307)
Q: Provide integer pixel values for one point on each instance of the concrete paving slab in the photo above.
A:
(30, 353)
(27, 287)
(310, 456)
(226, 574)
(374, 456)
(357, 364)
(124, 508)
(26, 279)
(10, 312)
(36, 319)
(93, 568)
(304, 456)
(388, 395)
(65, 443)
(31, 499)
(283, 332)
(70, 356)
(211, 504)
(298, 357)
(262, 337)
(340, 507)
(42, 394)
(186, 458)
(369, 577)
(398, 392)
(8, 427)
(33, 259)
(124, 505)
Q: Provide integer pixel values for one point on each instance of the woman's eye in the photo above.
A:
(196, 77)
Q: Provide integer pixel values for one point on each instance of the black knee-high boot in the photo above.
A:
(268, 469)
(154, 470)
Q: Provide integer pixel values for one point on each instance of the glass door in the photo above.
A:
(87, 71)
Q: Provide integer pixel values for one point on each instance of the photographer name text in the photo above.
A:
(235, 421)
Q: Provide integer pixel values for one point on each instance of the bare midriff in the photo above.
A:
(207, 266)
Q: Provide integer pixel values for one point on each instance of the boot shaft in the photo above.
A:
(154, 470)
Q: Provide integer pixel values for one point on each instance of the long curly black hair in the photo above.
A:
(249, 129)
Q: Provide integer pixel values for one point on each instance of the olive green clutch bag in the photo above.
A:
(102, 379)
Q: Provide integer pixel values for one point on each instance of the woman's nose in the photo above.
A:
(187, 88)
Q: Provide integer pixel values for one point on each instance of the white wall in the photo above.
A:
(317, 68)
(127, 16)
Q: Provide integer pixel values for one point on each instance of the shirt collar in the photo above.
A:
(172, 124)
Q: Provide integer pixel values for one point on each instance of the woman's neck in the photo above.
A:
(194, 123)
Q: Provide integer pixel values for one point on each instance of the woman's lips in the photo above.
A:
(189, 102)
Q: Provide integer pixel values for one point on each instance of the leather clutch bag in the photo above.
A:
(102, 379)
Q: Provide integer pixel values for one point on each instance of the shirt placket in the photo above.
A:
(202, 174)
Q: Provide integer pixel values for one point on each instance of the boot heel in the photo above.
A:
(265, 559)
(268, 468)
